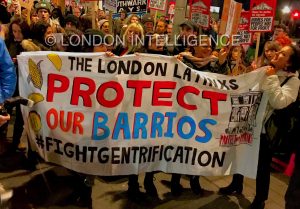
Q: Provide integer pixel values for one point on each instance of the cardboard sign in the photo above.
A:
(200, 12)
(262, 13)
(244, 36)
(230, 17)
(157, 4)
(126, 115)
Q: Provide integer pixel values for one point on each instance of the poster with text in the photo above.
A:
(125, 115)
(262, 13)
(130, 6)
(243, 34)
(157, 4)
(200, 12)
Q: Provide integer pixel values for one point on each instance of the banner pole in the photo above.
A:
(257, 47)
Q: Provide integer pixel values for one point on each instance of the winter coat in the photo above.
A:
(280, 96)
(8, 76)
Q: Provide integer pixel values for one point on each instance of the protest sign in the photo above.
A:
(136, 6)
(126, 115)
(200, 12)
(243, 34)
(262, 15)
(110, 5)
(230, 17)
(157, 4)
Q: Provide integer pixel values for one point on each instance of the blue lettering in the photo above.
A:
(100, 125)
(171, 116)
(207, 133)
(181, 122)
(121, 125)
(140, 122)
(157, 121)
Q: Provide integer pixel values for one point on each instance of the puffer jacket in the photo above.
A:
(8, 78)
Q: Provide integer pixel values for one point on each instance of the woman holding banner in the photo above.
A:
(285, 64)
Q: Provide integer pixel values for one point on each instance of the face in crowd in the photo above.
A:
(281, 59)
(148, 27)
(17, 32)
(236, 53)
(160, 27)
(48, 33)
(105, 28)
(187, 33)
(34, 18)
(270, 50)
(156, 42)
(169, 28)
(133, 34)
(277, 31)
(134, 19)
(203, 49)
(43, 15)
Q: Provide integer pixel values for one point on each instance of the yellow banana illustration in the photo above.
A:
(35, 74)
(56, 60)
(36, 97)
(35, 121)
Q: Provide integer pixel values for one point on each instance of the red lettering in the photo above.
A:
(78, 118)
(157, 94)
(138, 86)
(214, 98)
(62, 120)
(51, 88)
(84, 94)
(182, 92)
(52, 112)
(119, 94)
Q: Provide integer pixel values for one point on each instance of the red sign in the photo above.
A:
(262, 14)
(244, 36)
(200, 12)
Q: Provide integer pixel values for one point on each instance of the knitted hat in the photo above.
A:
(73, 19)
(101, 22)
(147, 18)
(42, 5)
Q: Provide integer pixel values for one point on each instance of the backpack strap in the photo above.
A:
(286, 80)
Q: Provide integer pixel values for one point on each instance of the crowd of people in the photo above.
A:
(193, 46)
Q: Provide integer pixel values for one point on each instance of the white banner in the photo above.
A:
(127, 115)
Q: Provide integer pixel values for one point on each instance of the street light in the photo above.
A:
(286, 10)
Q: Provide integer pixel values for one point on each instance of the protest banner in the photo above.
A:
(137, 6)
(244, 36)
(230, 17)
(126, 115)
(157, 4)
(200, 12)
(262, 15)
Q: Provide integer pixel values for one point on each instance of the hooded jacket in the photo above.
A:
(8, 76)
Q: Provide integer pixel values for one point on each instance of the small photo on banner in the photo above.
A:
(200, 12)
(262, 15)
(157, 4)
(244, 36)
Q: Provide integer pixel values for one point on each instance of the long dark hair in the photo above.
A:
(294, 59)
(38, 31)
(25, 29)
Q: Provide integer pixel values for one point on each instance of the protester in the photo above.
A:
(72, 22)
(18, 31)
(269, 52)
(148, 23)
(286, 63)
(8, 78)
